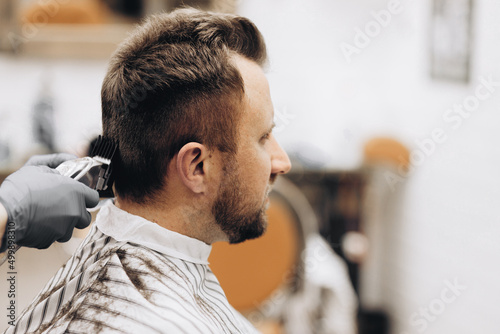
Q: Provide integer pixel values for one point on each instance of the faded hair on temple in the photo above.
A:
(171, 82)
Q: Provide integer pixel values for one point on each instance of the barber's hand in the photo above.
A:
(44, 205)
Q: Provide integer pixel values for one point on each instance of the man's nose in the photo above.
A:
(280, 162)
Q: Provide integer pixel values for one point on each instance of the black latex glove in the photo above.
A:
(44, 205)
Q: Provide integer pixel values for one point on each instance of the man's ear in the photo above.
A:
(192, 166)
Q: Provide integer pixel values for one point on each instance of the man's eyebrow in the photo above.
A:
(270, 129)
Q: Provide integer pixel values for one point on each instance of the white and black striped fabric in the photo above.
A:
(132, 276)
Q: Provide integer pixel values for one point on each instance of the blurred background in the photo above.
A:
(388, 109)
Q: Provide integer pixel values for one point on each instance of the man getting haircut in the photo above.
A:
(186, 100)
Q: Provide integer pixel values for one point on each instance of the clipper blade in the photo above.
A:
(103, 151)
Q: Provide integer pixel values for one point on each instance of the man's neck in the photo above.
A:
(177, 218)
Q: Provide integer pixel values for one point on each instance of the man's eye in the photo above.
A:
(266, 136)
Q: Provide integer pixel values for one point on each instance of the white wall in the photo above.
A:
(75, 86)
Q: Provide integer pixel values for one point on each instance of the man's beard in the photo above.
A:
(231, 211)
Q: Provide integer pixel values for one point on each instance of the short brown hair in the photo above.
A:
(172, 82)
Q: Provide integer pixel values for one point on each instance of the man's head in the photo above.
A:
(172, 82)
(180, 98)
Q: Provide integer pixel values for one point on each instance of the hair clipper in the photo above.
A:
(93, 171)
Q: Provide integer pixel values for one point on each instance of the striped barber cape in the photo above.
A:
(130, 275)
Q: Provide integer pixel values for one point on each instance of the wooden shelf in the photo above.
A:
(73, 40)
